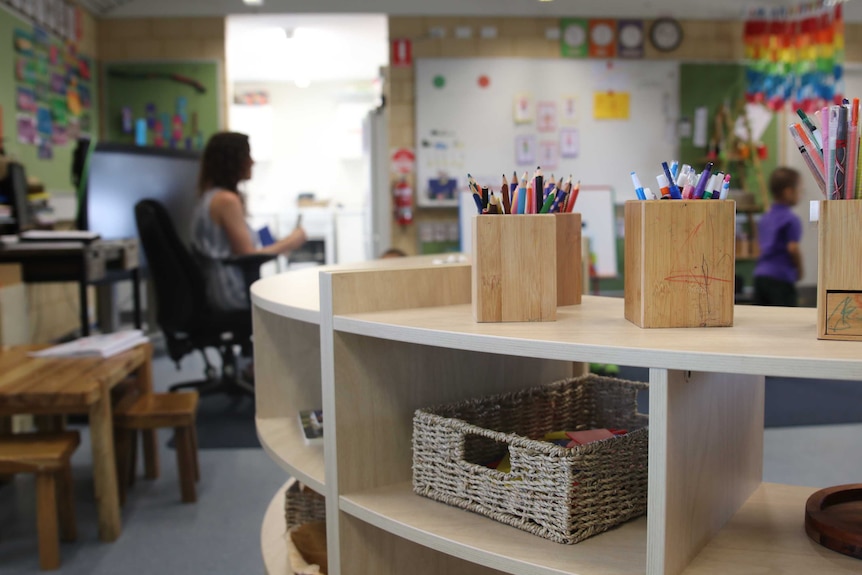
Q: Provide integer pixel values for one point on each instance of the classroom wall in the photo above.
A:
(54, 173)
(165, 40)
(706, 41)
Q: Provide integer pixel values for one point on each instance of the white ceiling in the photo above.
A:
(697, 9)
(258, 48)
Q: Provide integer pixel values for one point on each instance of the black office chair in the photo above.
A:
(189, 324)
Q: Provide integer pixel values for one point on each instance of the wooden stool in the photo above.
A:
(47, 456)
(155, 411)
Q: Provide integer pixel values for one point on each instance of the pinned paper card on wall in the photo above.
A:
(26, 100)
(523, 113)
(611, 105)
(569, 114)
(570, 143)
(546, 113)
(603, 38)
(150, 115)
(26, 125)
(525, 149)
(44, 123)
(183, 109)
(548, 154)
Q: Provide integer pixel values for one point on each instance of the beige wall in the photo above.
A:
(164, 39)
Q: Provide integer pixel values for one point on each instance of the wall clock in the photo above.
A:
(665, 34)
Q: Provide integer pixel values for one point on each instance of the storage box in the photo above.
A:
(524, 266)
(561, 494)
(680, 264)
(839, 275)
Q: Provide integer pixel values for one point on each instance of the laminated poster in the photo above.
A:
(44, 123)
(569, 110)
(546, 116)
(611, 105)
(570, 143)
(26, 125)
(26, 100)
(525, 150)
(523, 107)
(549, 154)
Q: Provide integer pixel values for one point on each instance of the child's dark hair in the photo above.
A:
(224, 162)
(781, 179)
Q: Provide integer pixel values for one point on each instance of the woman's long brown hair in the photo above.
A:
(224, 162)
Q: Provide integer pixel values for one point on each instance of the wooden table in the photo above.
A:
(63, 386)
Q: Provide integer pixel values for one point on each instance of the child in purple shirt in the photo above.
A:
(779, 266)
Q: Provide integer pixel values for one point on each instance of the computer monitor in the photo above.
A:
(121, 175)
(13, 188)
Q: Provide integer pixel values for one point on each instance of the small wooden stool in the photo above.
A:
(47, 456)
(155, 411)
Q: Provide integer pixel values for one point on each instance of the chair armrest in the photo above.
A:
(250, 265)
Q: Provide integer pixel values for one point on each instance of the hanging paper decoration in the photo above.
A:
(795, 55)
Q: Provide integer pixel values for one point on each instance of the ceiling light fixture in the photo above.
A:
(253, 2)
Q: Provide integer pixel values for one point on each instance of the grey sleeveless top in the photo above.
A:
(225, 285)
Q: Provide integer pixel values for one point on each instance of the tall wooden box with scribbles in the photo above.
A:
(839, 274)
(680, 264)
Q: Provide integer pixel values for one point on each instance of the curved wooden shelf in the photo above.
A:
(272, 533)
(760, 342)
(477, 539)
(282, 440)
(709, 513)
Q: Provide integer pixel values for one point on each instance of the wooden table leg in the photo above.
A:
(104, 467)
(149, 436)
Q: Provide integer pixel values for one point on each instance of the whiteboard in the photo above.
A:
(462, 127)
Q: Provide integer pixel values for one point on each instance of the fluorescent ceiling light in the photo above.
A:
(253, 2)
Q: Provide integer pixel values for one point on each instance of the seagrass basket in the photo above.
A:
(562, 494)
(301, 506)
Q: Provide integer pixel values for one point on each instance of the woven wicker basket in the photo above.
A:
(301, 506)
(564, 495)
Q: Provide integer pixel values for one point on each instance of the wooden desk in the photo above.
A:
(85, 263)
(62, 386)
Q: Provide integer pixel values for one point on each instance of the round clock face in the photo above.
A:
(631, 36)
(666, 34)
(575, 36)
(602, 35)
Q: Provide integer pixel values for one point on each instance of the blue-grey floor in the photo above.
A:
(220, 534)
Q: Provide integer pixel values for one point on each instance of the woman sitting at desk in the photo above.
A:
(219, 227)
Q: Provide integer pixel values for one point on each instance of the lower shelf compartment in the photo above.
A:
(475, 538)
(272, 536)
(766, 536)
(282, 439)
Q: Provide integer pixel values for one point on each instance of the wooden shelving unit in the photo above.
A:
(395, 338)
(272, 536)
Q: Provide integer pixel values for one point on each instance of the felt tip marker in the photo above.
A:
(639, 189)
(725, 188)
(650, 195)
(716, 189)
(672, 187)
(701, 183)
(682, 177)
(663, 186)
(690, 183)
(674, 169)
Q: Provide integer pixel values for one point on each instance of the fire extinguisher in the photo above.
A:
(403, 202)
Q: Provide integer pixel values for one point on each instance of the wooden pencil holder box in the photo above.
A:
(839, 273)
(524, 266)
(680, 264)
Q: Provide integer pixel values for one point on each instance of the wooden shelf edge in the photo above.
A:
(478, 539)
(286, 311)
(280, 438)
(272, 535)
